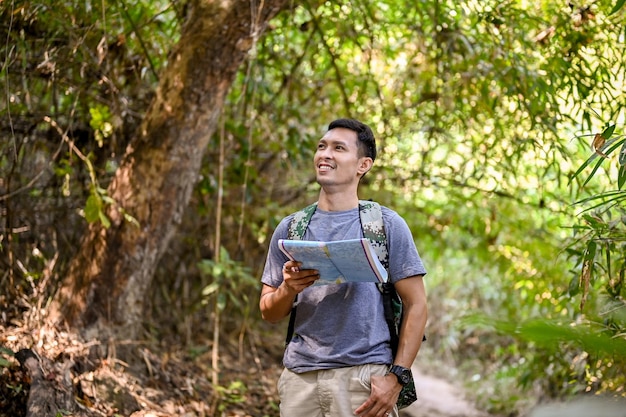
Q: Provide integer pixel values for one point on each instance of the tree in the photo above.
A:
(103, 292)
(484, 112)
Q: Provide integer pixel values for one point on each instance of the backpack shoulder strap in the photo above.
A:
(297, 228)
(374, 230)
(300, 222)
(371, 216)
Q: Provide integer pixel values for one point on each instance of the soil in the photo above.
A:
(156, 382)
(438, 397)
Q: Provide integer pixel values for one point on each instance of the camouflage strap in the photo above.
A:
(372, 225)
(300, 222)
(371, 216)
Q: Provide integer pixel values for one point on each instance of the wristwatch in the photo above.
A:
(403, 374)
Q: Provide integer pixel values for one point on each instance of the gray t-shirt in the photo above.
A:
(341, 325)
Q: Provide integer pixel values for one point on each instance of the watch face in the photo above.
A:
(405, 377)
(403, 374)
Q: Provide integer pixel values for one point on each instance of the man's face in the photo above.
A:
(337, 160)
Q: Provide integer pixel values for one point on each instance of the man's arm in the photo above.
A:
(276, 302)
(385, 389)
(415, 315)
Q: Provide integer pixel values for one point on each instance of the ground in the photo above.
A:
(439, 398)
(165, 382)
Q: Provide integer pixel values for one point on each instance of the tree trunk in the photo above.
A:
(103, 293)
(51, 387)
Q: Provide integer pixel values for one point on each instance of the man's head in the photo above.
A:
(365, 136)
(344, 154)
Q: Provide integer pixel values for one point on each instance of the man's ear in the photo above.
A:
(365, 164)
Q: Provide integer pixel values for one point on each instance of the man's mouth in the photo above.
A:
(324, 167)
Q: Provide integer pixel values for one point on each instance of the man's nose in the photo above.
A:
(325, 153)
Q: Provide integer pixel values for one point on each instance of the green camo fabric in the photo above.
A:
(373, 228)
(371, 223)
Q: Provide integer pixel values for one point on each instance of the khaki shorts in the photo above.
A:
(327, 393)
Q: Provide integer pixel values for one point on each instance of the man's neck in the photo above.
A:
(337, 201)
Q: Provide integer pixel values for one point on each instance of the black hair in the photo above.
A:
(364, 134)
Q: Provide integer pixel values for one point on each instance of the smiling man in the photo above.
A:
(339, 361)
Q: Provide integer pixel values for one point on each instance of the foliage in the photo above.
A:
(474, 105)
(77, 78)
(4, 353)
(235, 393)
(231, 283)
(500, 127)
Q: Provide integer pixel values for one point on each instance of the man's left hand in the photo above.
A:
(384, 395)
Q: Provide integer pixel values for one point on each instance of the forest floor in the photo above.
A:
(160, 382)
(439, 397)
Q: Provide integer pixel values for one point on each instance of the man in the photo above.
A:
(338, 361)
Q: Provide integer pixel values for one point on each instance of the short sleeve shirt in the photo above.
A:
(341, 325)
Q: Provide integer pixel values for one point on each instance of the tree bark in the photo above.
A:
(51, 390)
(102, 295)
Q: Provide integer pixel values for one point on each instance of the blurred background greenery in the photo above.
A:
(501, 133)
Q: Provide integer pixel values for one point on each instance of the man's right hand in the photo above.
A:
(276, 302)
(295, 279)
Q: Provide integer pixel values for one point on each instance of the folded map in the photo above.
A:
(340, 261)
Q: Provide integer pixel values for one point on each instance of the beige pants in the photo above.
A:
(327, 393)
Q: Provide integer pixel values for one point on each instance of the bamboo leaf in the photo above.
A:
(608, 194)
(622, 155)
(608, 132)
(593, 222)
(592, 157)
(617, 7)
(590, 253)
(593, 171)
(609, 199)
(574, 286)
(609, 147)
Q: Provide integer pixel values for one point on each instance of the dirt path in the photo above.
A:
(439, 398)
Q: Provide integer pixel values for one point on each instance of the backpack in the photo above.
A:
(370, 215)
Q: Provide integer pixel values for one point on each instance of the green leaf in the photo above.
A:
(130, 219)
(582, 167)
(210, 289)
(221, 301)
(618, 5)
(622, 155)
(610, 198)
(6, 351)
(608, 147)
(594, 222)
(104, 219)
(608, 132)
(590, 253)
(218, 270)
(93, 207)
(574, 286)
